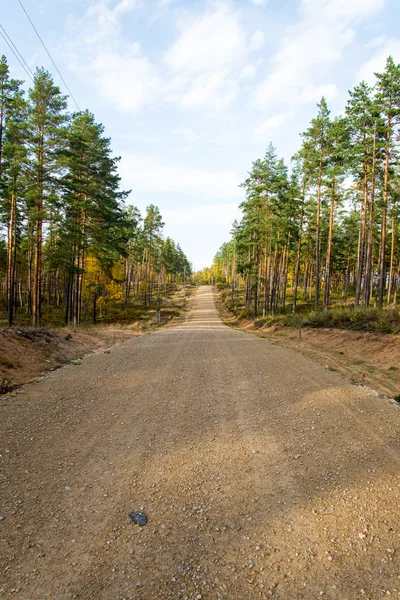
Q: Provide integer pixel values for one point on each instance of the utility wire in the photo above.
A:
(16, 49)
(51, 58)
(16, 53)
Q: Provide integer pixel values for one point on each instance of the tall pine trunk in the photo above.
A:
(317, 235)
(382, 256)
(37, 269)
(367, 291)
(327, 282)
(363, 229)
(11, 259)
(391, 268)
(298, 254)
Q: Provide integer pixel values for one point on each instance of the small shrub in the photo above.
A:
(6, 363)
(5, 385)
(397, 398)
(68, 337)
(76, 362)
(296, 320)
(359, 319)
(258, 323)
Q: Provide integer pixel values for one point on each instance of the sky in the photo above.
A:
(191, 92)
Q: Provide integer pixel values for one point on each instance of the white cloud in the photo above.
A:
(315, 43)
(120, 71)
(102, 21)
(125, 6)
(186, 134)
(377, 63)
(275, 122)
(340, 11)
(259, 2)
(127, 79)
(206, 59)
(257, 41)
(213, 88)
(141, 138)
(314, 94)
(149, 173)
(215, 39)
(204, 63)
(376, 42)
(248, 72)
(188, 227)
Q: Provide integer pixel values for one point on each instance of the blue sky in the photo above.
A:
(192, 91)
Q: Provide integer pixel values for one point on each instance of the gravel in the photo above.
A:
(265, 475)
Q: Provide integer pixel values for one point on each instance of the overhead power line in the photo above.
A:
(16, 52)
(49, 55)
(16, 49)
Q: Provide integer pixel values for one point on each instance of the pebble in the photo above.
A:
(139, 518)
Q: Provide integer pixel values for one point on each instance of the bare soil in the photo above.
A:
(367, 359)
(27, 353)
(263, 475)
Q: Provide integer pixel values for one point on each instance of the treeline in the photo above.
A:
(69, 243)
(328, 229)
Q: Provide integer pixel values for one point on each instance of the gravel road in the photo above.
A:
(262, 474)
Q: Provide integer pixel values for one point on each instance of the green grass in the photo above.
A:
(340, 316)
(76, 362)
(360, 319)
(109, 311)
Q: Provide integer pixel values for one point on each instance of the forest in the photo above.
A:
(71, 250)
(324, 232)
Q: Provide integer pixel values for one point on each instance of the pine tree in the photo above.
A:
(285, 217)
(300, 186)
(47, 135)
(14, 187)
(12, 157)
(152, 226)
(92, 206)
(388, 97)
(338, 141)
(315, 152)
(363, 121)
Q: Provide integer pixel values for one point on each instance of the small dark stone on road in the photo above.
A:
(139, 518)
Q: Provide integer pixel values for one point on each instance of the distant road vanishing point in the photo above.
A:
(262, 474)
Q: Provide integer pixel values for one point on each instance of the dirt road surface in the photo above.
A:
(262, 474)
